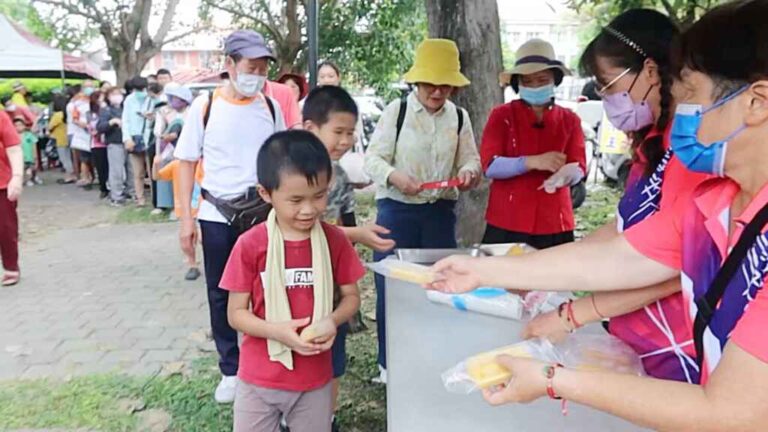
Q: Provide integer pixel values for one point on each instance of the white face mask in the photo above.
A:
(116, 99)
(249, 85)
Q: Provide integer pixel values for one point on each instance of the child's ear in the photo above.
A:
(310, 126)
(264, 194)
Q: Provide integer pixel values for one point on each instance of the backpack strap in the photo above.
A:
(707, 304)
(207, 112)
(401, 117)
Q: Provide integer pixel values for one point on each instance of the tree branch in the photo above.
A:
(166, 23)
(74, 9)
(179, 36)
(274, 32)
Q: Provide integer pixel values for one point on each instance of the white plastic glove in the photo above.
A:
(568, 175)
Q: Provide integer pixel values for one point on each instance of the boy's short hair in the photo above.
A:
(326, 100)
(295, 152)
(163, 71)
(155, 88)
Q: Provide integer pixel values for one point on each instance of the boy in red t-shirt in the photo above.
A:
(282, 275)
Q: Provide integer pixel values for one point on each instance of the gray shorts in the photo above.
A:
(259, 409)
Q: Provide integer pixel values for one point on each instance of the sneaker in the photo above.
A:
(225, 391)
(29, 183)
(192, 274)
(38, 180)
(382, 378)
(103, 195)
(156, 212)
(116, 203)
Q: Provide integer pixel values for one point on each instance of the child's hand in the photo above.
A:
(322, 333)
(286, 333)
(370, 235)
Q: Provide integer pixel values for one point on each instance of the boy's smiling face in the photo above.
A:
(337, 134)
(298, 203)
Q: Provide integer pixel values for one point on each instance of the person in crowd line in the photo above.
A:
(155, 101)
(330, 113)
(28, 148)
(329, 74)
(169, 121)
(164, 77)
(533, 150)
(20, 95)
(71, 92)
(81, 137)
(11, 183)
(121, 184)
(298, 85)
(215, 131)
(14, 111)
(286, 363)
(632, 63)
(420, 139)
(104, 87)
(714, 240)
(151, 79)
(99, 155)
(57, 128)
(283, 95)
(133, 124)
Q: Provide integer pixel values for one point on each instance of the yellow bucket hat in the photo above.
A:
(437, 63)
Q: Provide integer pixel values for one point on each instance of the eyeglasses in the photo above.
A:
(602, 91)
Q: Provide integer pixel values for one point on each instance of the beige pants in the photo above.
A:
(138, 162)
(259, 409)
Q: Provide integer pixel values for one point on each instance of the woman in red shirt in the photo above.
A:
(11, 179)
(533, 150)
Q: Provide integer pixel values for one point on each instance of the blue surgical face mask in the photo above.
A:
(698, 157)
(140, 94)
(88, 91)
(538, 95)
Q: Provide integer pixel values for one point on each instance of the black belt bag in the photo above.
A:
(243, 212)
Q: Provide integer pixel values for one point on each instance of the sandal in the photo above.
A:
(10, 278)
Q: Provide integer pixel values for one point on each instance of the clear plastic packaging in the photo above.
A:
(577, 351)
(500, 303)
(404, 271)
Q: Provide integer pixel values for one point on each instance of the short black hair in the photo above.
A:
(326, 100)
(735, 54)
(295, 152)
(163, 71)
(155, 88)
(138, 83)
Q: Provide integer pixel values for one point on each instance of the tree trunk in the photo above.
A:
(474, 26)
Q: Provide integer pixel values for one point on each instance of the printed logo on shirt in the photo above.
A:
(296, 278)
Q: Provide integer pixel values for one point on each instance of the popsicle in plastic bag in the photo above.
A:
(489, 301)
(579, 351)
(404, 271)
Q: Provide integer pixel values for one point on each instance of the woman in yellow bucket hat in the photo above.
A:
(421, 141)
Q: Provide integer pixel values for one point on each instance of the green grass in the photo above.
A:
(93, 402)
(137, 215)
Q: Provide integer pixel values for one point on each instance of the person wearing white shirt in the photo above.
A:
(226, 130)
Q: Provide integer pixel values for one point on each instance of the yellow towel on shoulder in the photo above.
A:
(276, 302)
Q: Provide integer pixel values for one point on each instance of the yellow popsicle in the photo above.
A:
(410, 272)
(516, 250)
(486, 372)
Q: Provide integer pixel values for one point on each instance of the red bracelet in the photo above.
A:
(564, 320)
(549, 372)
(572, 316)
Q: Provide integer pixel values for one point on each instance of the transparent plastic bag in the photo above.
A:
(500, 302)
(404, 271)
(578, 351)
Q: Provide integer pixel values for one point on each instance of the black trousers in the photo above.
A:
(218, 241)
(151, 152)
(101, 163)
(495, 235)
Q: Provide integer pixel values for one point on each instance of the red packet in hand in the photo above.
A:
(442, 184)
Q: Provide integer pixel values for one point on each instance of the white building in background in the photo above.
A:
(551, 20)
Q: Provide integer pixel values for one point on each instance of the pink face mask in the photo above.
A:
(626, 114)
